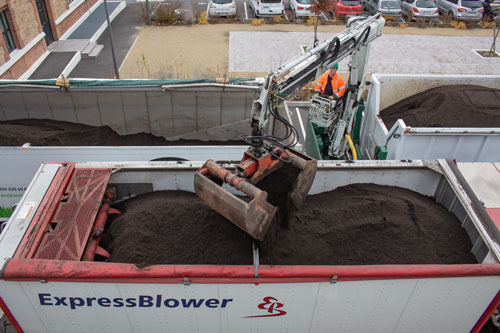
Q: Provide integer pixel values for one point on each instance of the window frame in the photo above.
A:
(8, 34)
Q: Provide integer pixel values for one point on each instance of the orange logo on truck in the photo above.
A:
(272, 306)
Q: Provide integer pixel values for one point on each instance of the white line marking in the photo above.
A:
(128, 53)
(286, 17)
(324, 16)
(246, 13)
(301, 123)
(208, 4)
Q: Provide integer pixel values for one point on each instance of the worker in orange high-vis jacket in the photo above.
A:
(331, 83)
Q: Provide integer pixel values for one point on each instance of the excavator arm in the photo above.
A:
(267, 152)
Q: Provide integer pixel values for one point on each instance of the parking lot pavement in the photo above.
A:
(250, 52)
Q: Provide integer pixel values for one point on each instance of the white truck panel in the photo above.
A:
(19, 164)
(404, 142)
(417, 305)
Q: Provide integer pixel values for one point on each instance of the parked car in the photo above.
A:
(267, 7)
(388, 8)
(464, 10)
(221, 8)
(423, 9)
(346, 7)
(301, 8)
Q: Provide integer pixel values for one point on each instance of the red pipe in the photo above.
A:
(99, 225)
(36, 269)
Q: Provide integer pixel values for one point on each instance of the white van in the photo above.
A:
(267, 7)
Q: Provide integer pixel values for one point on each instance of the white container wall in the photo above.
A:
(404, 142)
(183, 111)
(47, 296)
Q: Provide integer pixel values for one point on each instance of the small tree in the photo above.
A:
(318, 7)
(496, 30)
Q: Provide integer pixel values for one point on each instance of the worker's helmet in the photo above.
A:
(336, 66)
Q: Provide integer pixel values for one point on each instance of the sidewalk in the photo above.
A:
(92, 34)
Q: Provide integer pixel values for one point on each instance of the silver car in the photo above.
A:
(221, 8)
(388, 8)
(464, 10)
(300, 8)
(419, 9)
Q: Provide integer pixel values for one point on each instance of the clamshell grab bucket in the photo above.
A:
(253, 216)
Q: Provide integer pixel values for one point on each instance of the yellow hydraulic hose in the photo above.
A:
(353, 149)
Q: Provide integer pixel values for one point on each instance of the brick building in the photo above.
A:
(29, 26)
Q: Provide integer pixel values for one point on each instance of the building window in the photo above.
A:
(6, 32)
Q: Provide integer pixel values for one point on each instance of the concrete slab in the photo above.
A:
(411, 54)
(89, 27)
(68, 45)
(52, 66)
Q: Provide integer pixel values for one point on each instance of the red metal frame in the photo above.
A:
(45, 212)
(57, 270)
(9, 315)
(75, 215)
(100, 222)
(487, 314)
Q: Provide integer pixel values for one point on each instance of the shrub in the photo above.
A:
(257, 21)
(161, 13)
(486, 24)
(277, 19)
(312, 20)
(202, 19)
(458, 25)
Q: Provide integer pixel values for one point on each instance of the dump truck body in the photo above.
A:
(54, 293)
(405, 142)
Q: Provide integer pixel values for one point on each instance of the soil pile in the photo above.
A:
(174, 227)
(359, 224)
(447, 106)
(46, 132)
(367, 224)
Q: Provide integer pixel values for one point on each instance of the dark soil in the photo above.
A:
(360, 224)
(174, 227)
(46, 132)
(447, 106)
(367, 224)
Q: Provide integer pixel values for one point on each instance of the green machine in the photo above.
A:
(321, 132)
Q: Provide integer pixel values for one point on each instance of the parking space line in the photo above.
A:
(208, 6)
(286, 17)
(324, 16)
(246, 12)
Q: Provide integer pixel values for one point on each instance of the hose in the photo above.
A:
(353, 149)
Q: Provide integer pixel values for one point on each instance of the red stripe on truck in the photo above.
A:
(59, 270)
(487, 314)
(9, 315)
